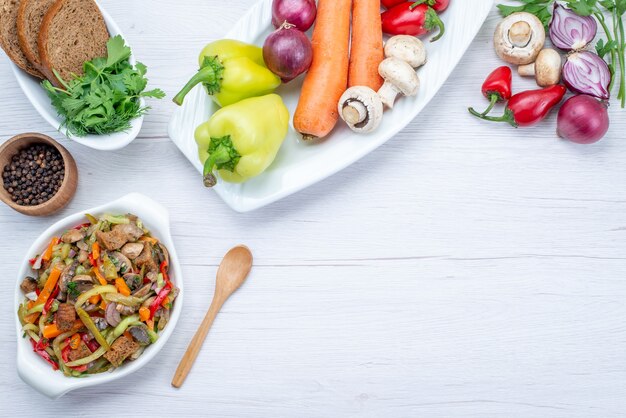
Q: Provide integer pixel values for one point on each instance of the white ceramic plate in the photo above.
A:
(40, 100)
(300, 164)
(36, 372)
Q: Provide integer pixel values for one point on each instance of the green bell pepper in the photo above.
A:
(231, 71)
(242, 140)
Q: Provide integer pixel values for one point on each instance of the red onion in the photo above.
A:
(300, 13)
(586, 73)
(583, 119)
(569, 31)
(287, 52)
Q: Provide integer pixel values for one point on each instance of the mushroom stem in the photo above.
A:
(520, 34)
(527, 70)
(354, 112)
(388, 93)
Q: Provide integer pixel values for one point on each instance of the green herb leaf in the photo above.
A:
(106, 97)
(72, 290)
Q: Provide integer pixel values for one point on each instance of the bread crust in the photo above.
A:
(23, 20)
(8, 16)
(44, 35)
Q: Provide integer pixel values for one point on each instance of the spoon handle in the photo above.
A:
(196, 343)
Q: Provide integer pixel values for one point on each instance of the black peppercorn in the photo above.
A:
(34, 175)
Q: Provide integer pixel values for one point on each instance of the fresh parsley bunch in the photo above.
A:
(106, 98)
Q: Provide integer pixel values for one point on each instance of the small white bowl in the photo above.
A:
(36, 372)
(41, 102)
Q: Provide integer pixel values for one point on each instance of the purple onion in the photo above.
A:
(300, 13)
(583, 119)
(586, 73)
(287, 52)
(569, 31)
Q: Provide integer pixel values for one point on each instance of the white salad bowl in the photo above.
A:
(31, 86)
(300, 164)
(39, 374)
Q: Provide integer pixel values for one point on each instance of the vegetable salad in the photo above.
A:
(99, 295)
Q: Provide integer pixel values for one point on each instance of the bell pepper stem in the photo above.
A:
(494, 98)
(418, 2)
(209, 74)
(433, 21)
(507, 117)
(222, 155)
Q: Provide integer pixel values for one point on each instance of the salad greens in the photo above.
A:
(615, 44)
(106, 97)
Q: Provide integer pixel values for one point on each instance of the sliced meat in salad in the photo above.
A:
(98, 296)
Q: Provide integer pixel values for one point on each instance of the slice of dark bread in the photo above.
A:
(8, 37)
(29, 18)
(72, 32)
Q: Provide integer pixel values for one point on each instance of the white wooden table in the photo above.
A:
(463, 269)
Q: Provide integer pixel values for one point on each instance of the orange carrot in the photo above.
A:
(317, 114)
(48, 253)
(51, 281)
(94, 299)
(144, 313)
(95, 250)
(367, 45)
(99, 276)
(122, 287)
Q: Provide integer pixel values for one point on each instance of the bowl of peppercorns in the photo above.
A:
(39, 176)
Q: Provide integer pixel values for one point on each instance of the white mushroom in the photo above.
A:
(400, 78)
(361, 108)
(519, 37)
(407, 48)
(546, 69)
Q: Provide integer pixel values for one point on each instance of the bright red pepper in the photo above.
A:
(529, 107)
(164, 268)
(51, 300)
(65, 353)
(438, 5)
(497, 87)
(92, 260)
(32, 261)
(44, 355)
(404, 19)
(91, 344)
(81, 226)
(160, 298)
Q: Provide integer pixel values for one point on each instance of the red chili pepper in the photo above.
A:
(92, 260)
(404, 19)
(50, 300)
(81, 226)
(32, 261)
(164, 267)
(43, 354)
(160, 298)
(438, 5)
(65, 353)
(91, 344)
(80, 368)
(529, 107)
(37, 291)
(497, 87)
(42, 344)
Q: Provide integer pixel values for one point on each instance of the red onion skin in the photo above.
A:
(300, 13)
(586, 73)
(287, 53)
(583, 119)
(569, 31)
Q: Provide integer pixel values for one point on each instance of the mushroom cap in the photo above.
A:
(361, 108)
(548, 67)
(400, 74)
(519, 37)
(407, 48)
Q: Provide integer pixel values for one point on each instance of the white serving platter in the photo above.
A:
(300, 164)
(31, 86)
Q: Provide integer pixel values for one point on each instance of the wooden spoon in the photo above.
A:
(232, 272)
